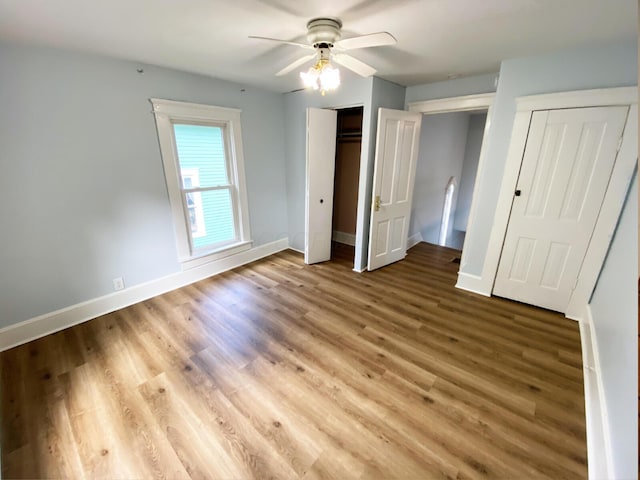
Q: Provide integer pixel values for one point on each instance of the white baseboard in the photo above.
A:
(472, 283)
(296, 250)
(599, 454)
(42, 325)
(414, 240)
(342, 237)
(599, 449)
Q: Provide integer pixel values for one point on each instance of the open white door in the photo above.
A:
(321, 158)
(393, 178)
(567, 163)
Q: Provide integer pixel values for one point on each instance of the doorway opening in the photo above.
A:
(446, 173)
(346, 179)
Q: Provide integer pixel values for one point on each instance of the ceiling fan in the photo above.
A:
(324, 36)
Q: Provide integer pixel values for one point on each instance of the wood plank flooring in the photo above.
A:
(281, 370)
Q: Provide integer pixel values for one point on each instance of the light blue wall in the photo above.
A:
(353, 91)
(469, 169)
(442, 151)
(599, 67)
(615, 314)
(452, 88)
(82, 192)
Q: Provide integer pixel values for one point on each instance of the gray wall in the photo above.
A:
(441, 156)
(469, 169)
(82, 192)
(608, 66)
(614, 313)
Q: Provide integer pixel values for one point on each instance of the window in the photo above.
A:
(202, 154)
(190, 180)
(447, 210)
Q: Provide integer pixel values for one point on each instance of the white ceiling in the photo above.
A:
(436, 38)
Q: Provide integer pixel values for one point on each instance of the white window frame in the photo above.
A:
(168, 113)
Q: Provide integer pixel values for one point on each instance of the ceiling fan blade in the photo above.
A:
(303, 45)
(364, 41)
(354, 64)
(295, 64)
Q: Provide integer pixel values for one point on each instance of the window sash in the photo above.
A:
(204, 189)
(226, 145)
(234, 213)
(230, 186)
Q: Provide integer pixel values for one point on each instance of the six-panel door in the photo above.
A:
(567, 163)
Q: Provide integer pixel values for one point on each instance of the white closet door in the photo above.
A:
(321, 162)
(564, 175)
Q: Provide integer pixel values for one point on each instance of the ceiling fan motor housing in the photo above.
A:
(323, 32)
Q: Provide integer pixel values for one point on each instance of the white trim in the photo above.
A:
(191, 110)
(608, 217)
(414, 239)
(578, 98)
(599, 448)
(466, 103)
(52, 322)
(342, 237)
(473, 209)
(296, 250)
(208, 257)
(471, 283)
(613, 200)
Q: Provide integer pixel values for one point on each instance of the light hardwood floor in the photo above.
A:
(281, 370)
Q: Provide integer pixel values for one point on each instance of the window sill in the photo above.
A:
(208, 257)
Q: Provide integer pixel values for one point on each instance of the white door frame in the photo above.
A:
(613, 200)
(468, 103)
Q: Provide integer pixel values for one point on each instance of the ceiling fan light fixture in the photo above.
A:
(323, 35)
(322, 76)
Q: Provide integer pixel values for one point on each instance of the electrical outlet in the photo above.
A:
(118, 283)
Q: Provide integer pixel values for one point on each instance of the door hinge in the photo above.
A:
(376, 203)
(619, 144)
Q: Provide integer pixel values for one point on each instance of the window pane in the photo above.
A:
(201, 152)
(217, 218)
